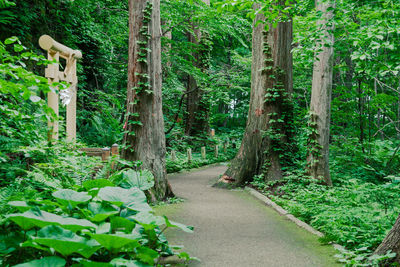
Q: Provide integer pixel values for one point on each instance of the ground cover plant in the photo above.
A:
(355, 212)
(100, 223)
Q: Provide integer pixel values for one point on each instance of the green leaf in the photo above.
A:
(120, 223)
(36, 217)
(147, 255)
(144, 180)
(119, 196)
(87, 263)
(11, 40)
(22, 206)
(70, 197)
(139, 206)
(183, 227)
(115, 242)
(101, 211)
(148, 218)
(97, 183)
(52, 261)
(128, 263)
(66, 242)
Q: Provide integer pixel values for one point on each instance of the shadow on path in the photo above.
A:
(231, 228)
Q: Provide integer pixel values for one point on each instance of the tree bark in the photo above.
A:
(320, 106)
(197, 104)
(271, 72)
(144, 138)
(391, 242)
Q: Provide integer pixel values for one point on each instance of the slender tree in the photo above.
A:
(144, 137)
(197, 103)
(320, 105)
(268, 129)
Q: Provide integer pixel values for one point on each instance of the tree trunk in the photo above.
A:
(391, 242)
(268, 123)
(144, 137)
(197, 104)
(320, 106)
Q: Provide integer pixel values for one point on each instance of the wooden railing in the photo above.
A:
(104, 152)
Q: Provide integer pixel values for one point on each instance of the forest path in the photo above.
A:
(231, 228)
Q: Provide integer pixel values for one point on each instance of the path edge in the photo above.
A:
(266, 200)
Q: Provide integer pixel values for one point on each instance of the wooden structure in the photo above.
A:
(104, 153)
(56, 50)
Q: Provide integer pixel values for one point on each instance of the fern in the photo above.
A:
(40, 177)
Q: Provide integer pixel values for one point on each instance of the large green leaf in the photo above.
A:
(147, 255)
(70, 197)
(141, 206)
(122, 224)
(44, 262)
(66, 242)
(39, 218)
(115, 242)
(101, 211)
(148, 218)
(187, 229)
(97, 183)
(20, 205)
(119, 196)
(127, 263)
(87, 263)
(144, 180)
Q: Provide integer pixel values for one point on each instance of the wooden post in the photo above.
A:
(189, 154)
(105, 154)
(71, 107)
(52, 97)
(216, 151)
(203, 152)
(225, 147)
(114, 150)
(173, 155)
(55, 50)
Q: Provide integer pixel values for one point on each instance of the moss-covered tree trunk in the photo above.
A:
(268, 128)
(144, 137)
(321, 94)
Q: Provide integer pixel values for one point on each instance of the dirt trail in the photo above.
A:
(234, 229)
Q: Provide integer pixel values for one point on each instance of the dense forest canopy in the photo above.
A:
(304, 98)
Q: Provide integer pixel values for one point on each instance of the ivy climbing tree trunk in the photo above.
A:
(268, 128)
(197, 103)
(391, 242)
(321, 94)
(144, 137)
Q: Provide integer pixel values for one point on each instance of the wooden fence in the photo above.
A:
(106, 152)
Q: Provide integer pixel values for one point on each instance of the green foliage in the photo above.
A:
(91, 225)
(353, 213)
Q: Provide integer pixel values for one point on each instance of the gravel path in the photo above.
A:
(234, 229)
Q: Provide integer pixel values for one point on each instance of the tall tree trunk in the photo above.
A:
(278, 146)
(391, 242)
(271, 73)
(320, 106)
(361, 111)
(144, 137)
(197, 104)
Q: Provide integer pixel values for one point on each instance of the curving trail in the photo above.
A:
(234, 229)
